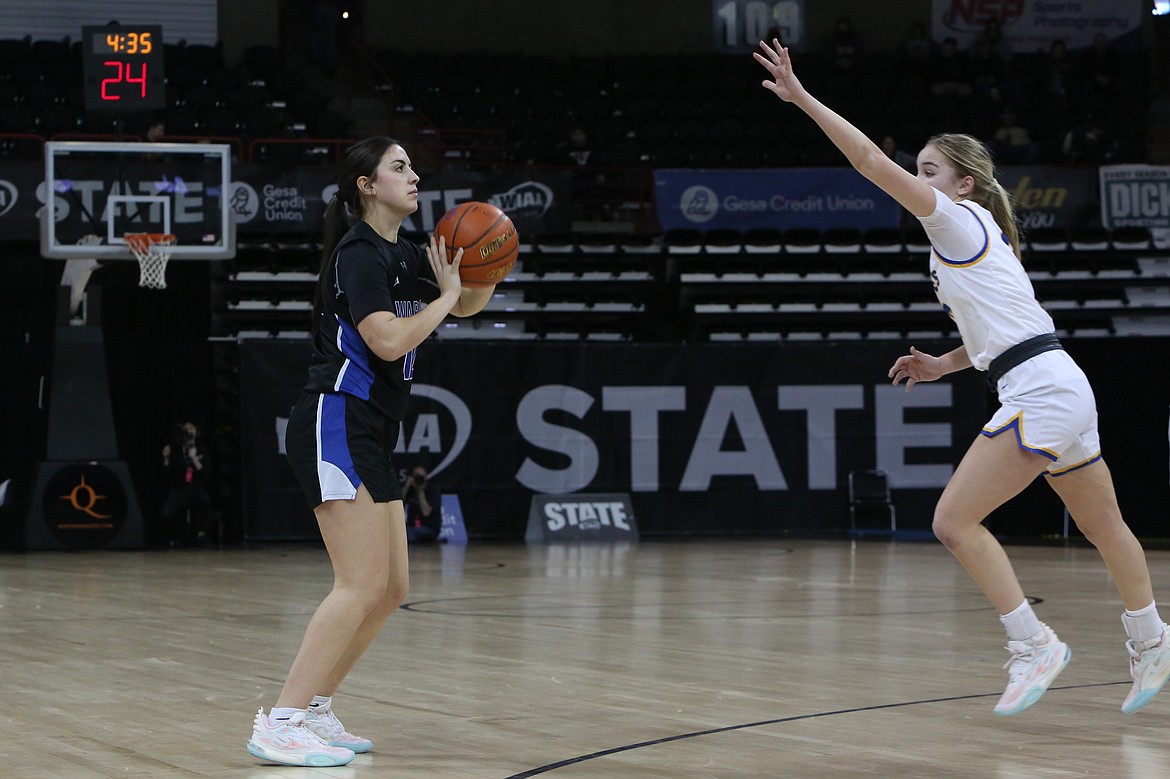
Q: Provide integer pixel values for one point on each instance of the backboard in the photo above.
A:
(100, 191)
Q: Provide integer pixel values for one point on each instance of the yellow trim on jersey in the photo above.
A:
(978, 257)
(1081, 464)
(1018, 423)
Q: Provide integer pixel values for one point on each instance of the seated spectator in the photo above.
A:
(845, 47)
(1097, 66)
(992, 38)
(951, 71)
(904, 158)
(918, 48)
(1056, 75)
(1087, 142)
(987, 70)
(1013, 142)
(588, 182)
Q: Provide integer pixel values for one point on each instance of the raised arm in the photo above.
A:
(916, 196)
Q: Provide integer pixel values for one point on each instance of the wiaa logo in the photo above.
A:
(438, 425)
(527, 199)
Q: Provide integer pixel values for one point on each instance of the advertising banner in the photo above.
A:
(1135, 196)
(274, 200)
(583, 517)
(1044, 196)
(1032, 26)
(271, 199)
(777, 198)
(703, 438)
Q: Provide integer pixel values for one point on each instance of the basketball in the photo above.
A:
(488, 239)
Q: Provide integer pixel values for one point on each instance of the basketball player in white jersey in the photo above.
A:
(1047, 422)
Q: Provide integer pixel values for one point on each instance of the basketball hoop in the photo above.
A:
(152, 250)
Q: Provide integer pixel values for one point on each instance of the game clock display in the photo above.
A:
(123, 67)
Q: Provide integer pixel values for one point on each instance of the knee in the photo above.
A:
(364, 599)
(1103, 527)
(393, 595)
(945, 527)
(397, 587)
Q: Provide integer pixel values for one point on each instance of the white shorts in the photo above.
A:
(1048, 403)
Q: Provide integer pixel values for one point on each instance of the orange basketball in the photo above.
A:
(488, 239)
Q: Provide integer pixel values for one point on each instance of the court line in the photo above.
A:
(565, 611)
(544, 769)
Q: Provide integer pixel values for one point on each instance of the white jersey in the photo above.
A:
(980, 282)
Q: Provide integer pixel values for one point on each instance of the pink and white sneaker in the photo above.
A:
(290, 742)
(329, 729)
(1034, 665)
(1150, 667)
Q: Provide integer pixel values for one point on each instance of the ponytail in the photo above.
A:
(999, 203)
(336, 225)
(345, 208)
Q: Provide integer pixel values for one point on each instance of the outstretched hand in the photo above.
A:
(776, 61)
(915, 367)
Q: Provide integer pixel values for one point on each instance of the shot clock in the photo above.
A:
(123, 67)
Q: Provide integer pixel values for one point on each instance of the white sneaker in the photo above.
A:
(291, 743)
(329, 729)
(1034, 665)
(1149, 668)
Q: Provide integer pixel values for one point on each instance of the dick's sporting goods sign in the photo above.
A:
(554, 518)
(1135, 196)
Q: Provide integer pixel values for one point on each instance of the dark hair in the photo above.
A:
(347, 206)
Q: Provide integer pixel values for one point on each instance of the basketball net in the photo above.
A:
(152, 250)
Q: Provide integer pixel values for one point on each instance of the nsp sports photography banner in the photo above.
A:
(1031, 25)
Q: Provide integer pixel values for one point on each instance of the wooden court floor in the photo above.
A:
(667, 659)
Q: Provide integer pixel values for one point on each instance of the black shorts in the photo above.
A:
(336, 442)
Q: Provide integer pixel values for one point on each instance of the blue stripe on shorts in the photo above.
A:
(335, 470)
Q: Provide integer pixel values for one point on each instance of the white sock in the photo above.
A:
(1021, 623)
(1143, 625)
(321, 703)
(282, 714)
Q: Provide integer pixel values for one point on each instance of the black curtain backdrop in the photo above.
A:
(504, 421)
(159, 361)
(157, 358)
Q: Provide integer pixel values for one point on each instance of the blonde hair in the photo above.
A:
(971, 158)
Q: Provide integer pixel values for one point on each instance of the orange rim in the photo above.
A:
(143, 241)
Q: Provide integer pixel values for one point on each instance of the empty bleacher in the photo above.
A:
(694, 286)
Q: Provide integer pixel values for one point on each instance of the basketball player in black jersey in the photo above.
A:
(377, 299)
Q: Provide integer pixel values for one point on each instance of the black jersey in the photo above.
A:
(369, 274)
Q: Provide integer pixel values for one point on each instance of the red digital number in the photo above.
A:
(141, 80)
(124, 74)
(107, 81)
